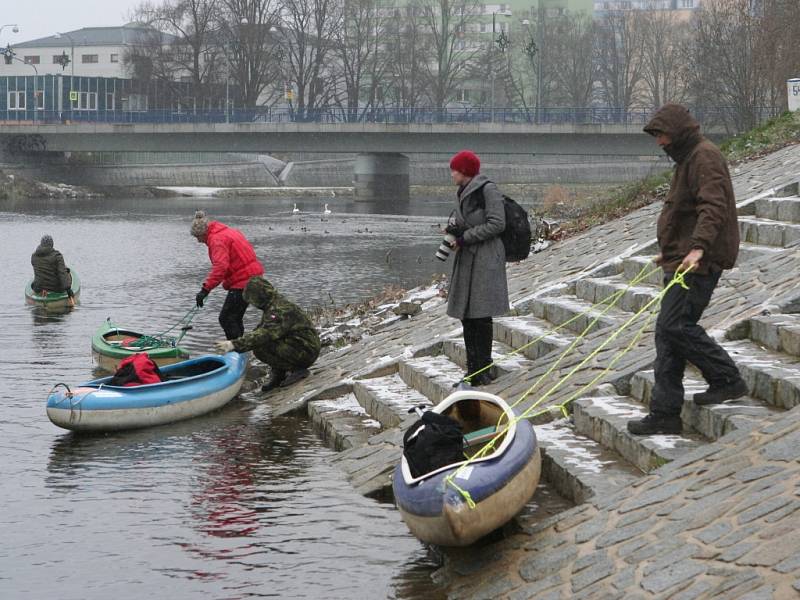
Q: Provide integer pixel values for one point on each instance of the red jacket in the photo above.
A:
(233, 260)
(144, 371)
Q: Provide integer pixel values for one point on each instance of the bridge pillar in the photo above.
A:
(381, 176)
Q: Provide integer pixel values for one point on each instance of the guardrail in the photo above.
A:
(543, 116)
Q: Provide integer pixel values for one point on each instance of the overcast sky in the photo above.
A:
(40, 18)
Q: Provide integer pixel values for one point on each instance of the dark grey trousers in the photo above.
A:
(679, 338)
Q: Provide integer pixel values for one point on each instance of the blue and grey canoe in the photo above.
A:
(500, 483)
(190, 388)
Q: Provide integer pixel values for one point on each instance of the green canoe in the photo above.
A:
(54, 300)
(110, 344)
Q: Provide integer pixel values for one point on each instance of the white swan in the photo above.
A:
(327, 210)
(295, 210)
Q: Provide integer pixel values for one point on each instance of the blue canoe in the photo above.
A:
(190, 388)
(500, 483)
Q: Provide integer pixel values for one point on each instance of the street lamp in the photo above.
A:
(502, 42)
(535, 49)
(71, 50)
(14, 27)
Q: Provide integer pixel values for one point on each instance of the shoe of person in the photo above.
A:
(652, 424)
(481, 379)
(295, 376)
(276, 378)
(719, 394)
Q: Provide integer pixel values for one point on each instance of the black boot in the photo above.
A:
(275, 379)
(483, 352)
(469, 345)
(652, 424)
(719, 394)
(295, 376)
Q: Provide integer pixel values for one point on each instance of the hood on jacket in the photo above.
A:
(473, 184)
(681, 127)
(259, 292)
(43, 250)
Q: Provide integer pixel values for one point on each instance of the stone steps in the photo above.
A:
(780, 333)
(711, 421)
(505, 362)
(432, 376)
(604, 419)
(561, 310)
(767, 232)
(632, 266)
(387, 399)
(749, 251)
(770, 376)
(778, 209)
(521, 331)
(577, 466)
(342, 422)
(633, 298)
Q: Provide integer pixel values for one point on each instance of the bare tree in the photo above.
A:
(307, 32)
(728, 55)
(574, 72)
(194, 52)
(664, 69)
(409, 49)
(361, 55)
(620, 48)
(447, 23)
(250, 42)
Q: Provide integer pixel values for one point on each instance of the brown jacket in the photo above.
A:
(700, 209)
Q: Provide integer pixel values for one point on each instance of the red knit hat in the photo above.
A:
(466, 162)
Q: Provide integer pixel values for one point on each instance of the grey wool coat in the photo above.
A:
(478, 286)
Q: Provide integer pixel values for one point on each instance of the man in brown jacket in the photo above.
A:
(697, 231)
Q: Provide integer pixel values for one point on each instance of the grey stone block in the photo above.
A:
(672, 575)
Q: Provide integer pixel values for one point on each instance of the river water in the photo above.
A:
(236, 504)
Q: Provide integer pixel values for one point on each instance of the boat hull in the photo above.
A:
(96, 406)
(107, 355)
(500, 485)
(54, 301)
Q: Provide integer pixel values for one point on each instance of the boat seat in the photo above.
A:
(479, 436)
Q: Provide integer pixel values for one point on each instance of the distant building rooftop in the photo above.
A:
(130, 34)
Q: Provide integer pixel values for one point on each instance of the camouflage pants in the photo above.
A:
(287, 354)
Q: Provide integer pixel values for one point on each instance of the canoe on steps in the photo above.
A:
(500, 483)
(54, 301)
(190, 389)
(110, 344)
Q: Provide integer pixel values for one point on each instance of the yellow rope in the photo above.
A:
(678, 279)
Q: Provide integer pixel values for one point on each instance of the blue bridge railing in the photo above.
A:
(547, 116)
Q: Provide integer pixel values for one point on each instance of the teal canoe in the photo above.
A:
(111, 344)
(54, 300)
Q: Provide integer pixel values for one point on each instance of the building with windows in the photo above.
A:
(87, 52)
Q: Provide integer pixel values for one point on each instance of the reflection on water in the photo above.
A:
(231, 505)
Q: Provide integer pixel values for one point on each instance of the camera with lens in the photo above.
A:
(446, 246)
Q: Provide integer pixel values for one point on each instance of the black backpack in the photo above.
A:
(516, 237)
(438, 444)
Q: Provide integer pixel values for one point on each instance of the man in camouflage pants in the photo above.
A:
(285, 339)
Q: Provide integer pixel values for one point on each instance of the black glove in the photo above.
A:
(201, 296)
(455, 230)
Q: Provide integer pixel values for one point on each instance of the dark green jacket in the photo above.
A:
(283, 323)
(49, 271)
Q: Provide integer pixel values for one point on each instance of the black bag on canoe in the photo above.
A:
(516, 237)
(433, 442)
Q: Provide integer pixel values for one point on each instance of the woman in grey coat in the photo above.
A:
(478, 288)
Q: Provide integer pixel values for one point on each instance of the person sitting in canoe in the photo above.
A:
(285, 339)
(233, 262)
(50, 274)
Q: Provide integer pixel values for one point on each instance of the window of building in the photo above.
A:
(462, 95)
(90, 58)
(16, 100)
(32, 60)
(484, 26)
(110, 101)
(115, 58)
(135, 102)
(686, 3)
(39, 95)
(86, 101)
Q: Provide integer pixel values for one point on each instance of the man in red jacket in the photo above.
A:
(233, 263)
